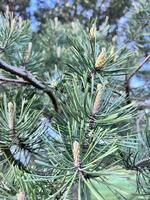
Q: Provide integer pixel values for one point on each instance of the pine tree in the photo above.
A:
(67, 133)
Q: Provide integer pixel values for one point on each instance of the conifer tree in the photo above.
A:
(68, 133)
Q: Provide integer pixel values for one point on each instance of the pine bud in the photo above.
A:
(53, 84)
(21, 196)
(7, 15)
(101, 59)
(7, 11)
(20, 21)
(93, 32)
(76, 153)
(12, 25)
(97, 100)
(10, 116)
(28, 52)
(58, 51)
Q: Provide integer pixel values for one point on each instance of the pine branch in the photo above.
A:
(144, 61)
(143, 104)
(95, 108)
(127, 79)
(27, 76)
(14, 81)
(143, 163)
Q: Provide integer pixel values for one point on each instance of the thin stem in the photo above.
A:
(127, 79)
(127, 90)
(143, 163)
(144, 61)
(15, 81)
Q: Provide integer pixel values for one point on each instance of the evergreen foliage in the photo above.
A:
(67, 121)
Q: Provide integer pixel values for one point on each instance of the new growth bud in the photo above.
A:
(97, 100)
(28, 53)
(7, 11)
(53, 84)
(21, 196)
(101, 59)
(93, 32)
(10, 116)
(76, 153)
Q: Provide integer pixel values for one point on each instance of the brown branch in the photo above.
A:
(143, 104)
(144, 61)
(127, 90)
(127, 79)
(15, 81)
(143, 163)
(27, 76)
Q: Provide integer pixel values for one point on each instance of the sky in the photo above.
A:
(34, 5)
